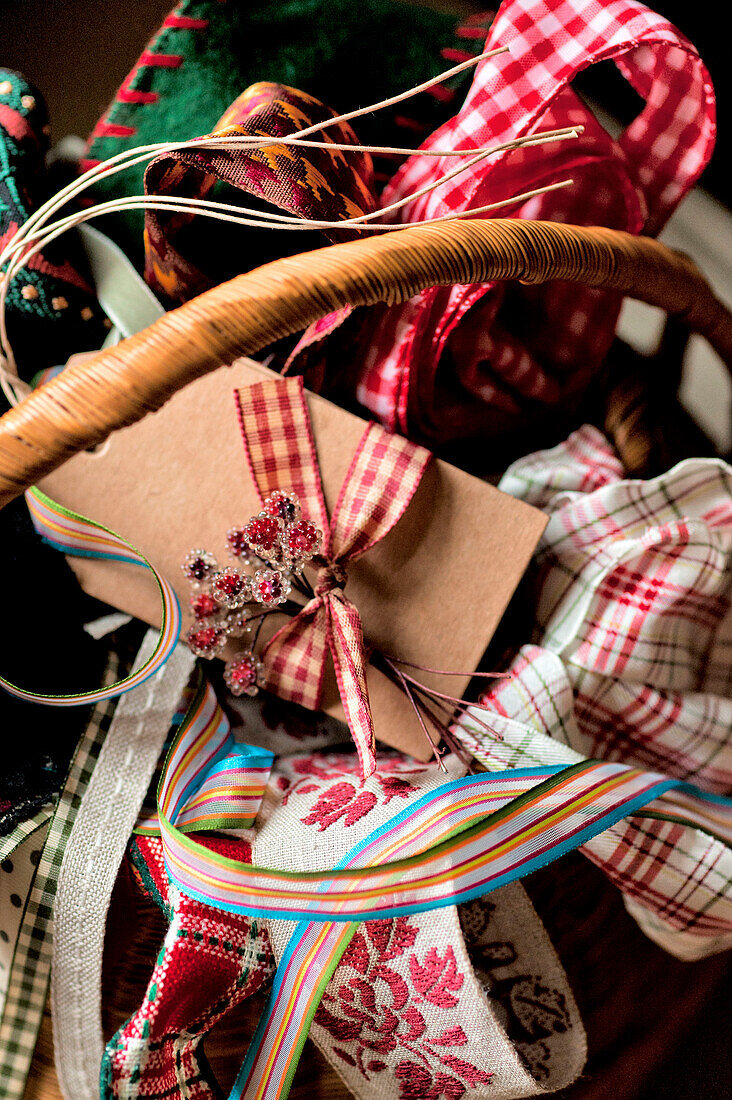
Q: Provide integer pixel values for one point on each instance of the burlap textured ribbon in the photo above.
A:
(378, 487)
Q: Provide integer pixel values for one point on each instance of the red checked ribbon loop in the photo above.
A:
(377, 490)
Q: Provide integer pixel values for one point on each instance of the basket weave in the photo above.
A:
(82, 406)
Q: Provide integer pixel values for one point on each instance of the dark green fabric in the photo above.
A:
(347, 53)
(41, 334)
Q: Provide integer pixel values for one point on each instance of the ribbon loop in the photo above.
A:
(381, 481)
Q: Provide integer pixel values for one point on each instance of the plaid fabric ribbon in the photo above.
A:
(208, 964)
(382, 478)
(31, 965)
(629, 661)
(469, 360)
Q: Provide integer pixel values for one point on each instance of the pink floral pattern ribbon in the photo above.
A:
(381, 481)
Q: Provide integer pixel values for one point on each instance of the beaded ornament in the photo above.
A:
(228, 603)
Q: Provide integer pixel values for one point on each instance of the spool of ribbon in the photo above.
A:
(381, 481)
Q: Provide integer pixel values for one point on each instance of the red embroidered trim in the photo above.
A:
(441, 93)
(130, 95)
(456, 55)
(160, 60)
(185, 23)
(482, 17)
(375, 1012)
(111, 129)
(410, 123)
(471, 32)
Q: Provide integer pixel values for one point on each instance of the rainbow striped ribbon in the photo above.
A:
(80, 537)
(465, 846)
(460, 841)
(457, 842)
(209, 781)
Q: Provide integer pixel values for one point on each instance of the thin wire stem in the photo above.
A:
(141, 153)
(183, 204)
(425, 731)
(449, 672)
(8, 370)
(38, 232)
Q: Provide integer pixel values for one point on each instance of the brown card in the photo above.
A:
(432, 592)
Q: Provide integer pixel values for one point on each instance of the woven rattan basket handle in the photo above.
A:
(83, 405)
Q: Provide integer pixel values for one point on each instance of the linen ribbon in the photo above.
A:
(381, 481)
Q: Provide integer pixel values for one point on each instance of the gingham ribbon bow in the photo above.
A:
(383, 476)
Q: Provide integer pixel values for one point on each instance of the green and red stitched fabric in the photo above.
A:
(345, 54)
(51, 308)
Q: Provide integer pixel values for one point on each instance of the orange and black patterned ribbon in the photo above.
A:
(312, 183)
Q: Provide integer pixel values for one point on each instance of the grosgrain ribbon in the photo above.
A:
(462, 840)
(381, 481)
(210, 781)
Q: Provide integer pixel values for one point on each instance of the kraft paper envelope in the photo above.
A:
(432, 592)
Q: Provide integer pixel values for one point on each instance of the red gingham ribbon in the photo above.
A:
(381, 481)
(488, 359)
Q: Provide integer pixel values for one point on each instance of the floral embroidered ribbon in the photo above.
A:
(381, 481)
(459, 841)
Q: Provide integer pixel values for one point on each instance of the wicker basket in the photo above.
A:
(84, 404)
(119, 386)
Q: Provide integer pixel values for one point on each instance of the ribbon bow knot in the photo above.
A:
(381, 481)
(332, 576)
